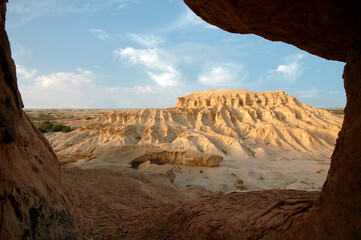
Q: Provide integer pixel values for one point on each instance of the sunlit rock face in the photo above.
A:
(34, 202)
(236, 99)
(329, 29)
(237, 124)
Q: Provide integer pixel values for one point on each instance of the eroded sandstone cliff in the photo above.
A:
(233, 123)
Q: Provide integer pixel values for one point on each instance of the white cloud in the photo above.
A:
(24, 73)
(191, 52)
(185, 20)
(79, 89)
(290, 71)
(60, 89)
(223, 75)
(336, 92)
(63, 80)
(135, 89)
(145, 40)
(159, 70)
(311, 93)
(147, 57)
(320, 98)
(23, 11)
(188, 18)
(148, 96)
(101, 34)
(19, 50)
(166, 79)
(119, 4)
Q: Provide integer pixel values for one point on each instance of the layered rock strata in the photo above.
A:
(230, 123)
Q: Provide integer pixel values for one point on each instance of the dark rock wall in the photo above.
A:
(340, 198)
(33, 200)
(10, 100)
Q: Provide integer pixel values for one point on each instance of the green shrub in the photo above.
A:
(47, 125)
(338, 111)
(58, 127)
(42, 129)
(66, 129)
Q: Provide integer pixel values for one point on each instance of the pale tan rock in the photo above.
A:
(144, 165)
(239, 183)
(164, 170)
(180, 157)
(237, 123)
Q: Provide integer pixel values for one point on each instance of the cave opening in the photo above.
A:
(303, 212)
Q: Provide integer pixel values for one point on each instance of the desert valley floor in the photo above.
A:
(130, 161)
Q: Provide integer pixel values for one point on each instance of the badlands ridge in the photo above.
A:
(262, 140)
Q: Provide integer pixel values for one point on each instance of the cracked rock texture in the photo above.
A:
(33, 199)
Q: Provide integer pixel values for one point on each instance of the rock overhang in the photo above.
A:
(323, 28)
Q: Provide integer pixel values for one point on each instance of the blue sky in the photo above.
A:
(146, 53)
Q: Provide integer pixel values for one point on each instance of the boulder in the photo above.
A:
(164, 170)
(179, 157)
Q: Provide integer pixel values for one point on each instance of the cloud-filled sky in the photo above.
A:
(146, 53)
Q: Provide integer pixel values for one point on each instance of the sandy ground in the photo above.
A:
(127, 204)
(255, 174)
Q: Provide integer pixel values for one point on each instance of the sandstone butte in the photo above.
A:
(221, 123)
(35, 204)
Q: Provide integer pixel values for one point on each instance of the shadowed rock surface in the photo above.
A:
(231, 216)
(33, 199)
